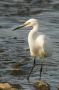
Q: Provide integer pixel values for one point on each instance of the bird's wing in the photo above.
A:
(44, 42)
(40, 40)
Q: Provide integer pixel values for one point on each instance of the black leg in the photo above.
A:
(31, 69)
(41, 70)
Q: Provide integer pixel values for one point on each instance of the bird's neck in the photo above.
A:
(34, 30)
(33, 33)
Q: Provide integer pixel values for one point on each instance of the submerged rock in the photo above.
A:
(41, 85)
(56, 6)
(17, 70)
(1, 26)
(1, 50)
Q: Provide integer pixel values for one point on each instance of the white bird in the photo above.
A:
(39, 44)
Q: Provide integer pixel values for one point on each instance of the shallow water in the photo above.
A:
(13, 53)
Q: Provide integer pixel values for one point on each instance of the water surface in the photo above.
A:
(13, 53)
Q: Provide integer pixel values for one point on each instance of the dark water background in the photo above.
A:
(13, 53)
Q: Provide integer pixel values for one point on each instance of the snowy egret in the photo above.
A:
(39, 44)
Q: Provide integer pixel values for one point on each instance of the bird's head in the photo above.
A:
(28, 23)
(31, 22)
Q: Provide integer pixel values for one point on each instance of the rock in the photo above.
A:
(8, 86)
(58, 87)
(5, 86)
(41, 85)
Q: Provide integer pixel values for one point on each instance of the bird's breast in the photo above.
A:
(38, 52)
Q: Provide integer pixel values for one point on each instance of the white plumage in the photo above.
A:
(39, 44)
